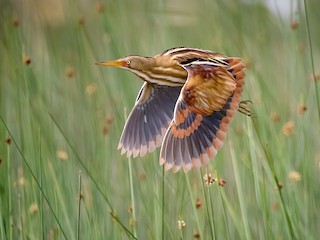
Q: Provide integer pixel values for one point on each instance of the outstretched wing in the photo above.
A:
(205, 108)
(149, 119)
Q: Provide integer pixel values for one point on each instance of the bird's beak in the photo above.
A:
(116, 63)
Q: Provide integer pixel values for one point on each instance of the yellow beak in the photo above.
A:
(116, 63)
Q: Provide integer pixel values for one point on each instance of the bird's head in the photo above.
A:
(157, 69)
(131, 63)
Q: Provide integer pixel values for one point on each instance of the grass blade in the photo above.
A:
(132, 197)
(2, 223)
(193, 205)
(34, 177)
(240, 192)
(82, 164)
(224, 213)
(131, 189)
(9, 192)
(162, 214)
(41, 185)
(122, 225)
(271, 166)
(91, 177)
(79, 206)
(311, 57)
(207, 206)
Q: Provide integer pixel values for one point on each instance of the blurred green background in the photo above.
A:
(62, 176)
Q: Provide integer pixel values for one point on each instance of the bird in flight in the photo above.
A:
(185, 105)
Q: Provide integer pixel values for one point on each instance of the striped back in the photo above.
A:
(166, 67)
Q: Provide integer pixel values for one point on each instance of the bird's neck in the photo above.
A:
(163, 72)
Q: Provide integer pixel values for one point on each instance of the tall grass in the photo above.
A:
(61, 114)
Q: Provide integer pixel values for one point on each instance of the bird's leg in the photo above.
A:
(245, 107)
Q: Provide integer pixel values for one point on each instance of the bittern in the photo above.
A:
(185, 105)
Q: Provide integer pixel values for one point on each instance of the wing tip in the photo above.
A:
(196, 163)
(143, 150)
(119, 145)
(151, 146)
(168, 166)
(135, 152)
(187, 167)
(176, 168)
(162, 161)
(204, 159)
(129, 153)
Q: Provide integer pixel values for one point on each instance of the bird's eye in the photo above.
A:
(128, 62)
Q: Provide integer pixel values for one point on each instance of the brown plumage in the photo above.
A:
(212, 87)
(205, 108)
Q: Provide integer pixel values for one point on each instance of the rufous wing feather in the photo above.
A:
(203, 112)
